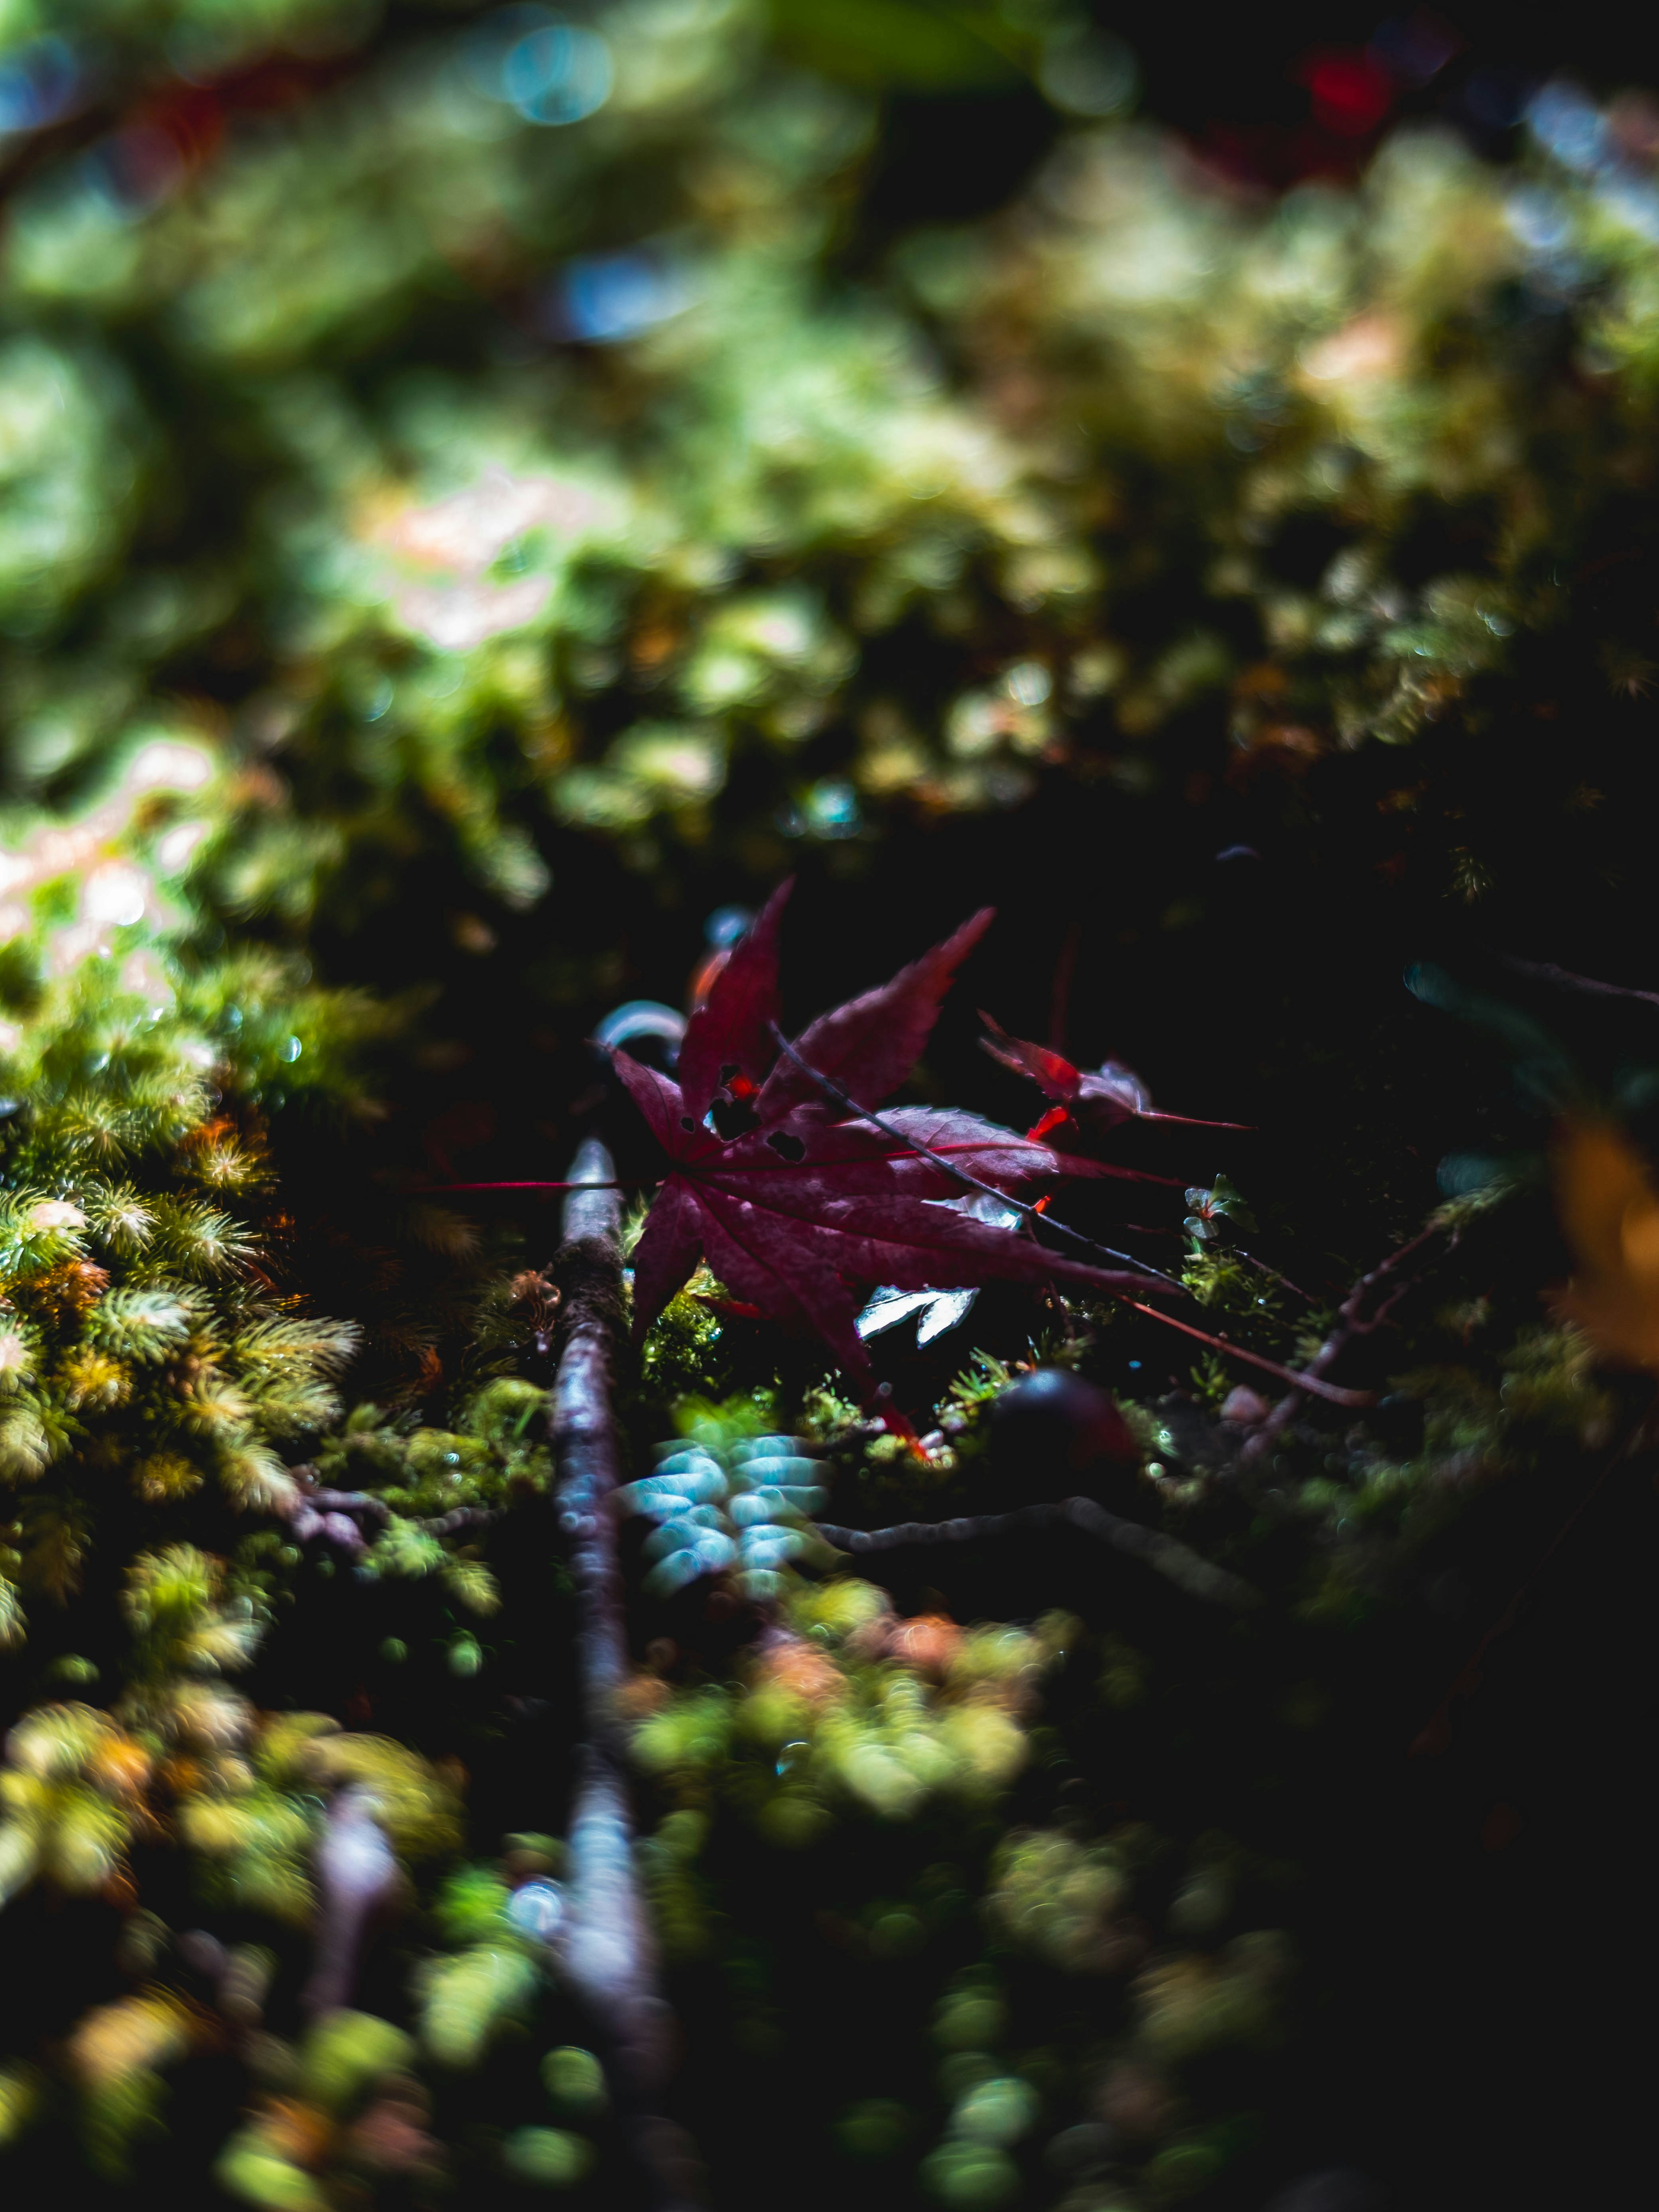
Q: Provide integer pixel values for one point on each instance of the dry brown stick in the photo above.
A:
(605, 1948)
(1196, 1575)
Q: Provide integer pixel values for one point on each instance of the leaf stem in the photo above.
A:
(1298, 1380)
(1196, 1575)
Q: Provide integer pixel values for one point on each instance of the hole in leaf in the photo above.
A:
(786, 1146)
(732, 1117)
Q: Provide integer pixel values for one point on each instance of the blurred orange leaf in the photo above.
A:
(1609, 1213)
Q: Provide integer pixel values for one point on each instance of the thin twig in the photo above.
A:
(849, 1104)
(1298, 1378)
(1546, 971)
(1350, 1321)
(1196, 1575)
(603, 1949)
(1266, 1267)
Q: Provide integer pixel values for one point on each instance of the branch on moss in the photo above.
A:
(1275, 1274)
(1182, 1566)
(1353, 1320)
(605, 1948)
(328, 1513)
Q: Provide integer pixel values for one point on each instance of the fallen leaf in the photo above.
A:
(1095, 1099)
(796, 1211)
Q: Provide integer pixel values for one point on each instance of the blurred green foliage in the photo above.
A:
(468, 478)
(601, 583)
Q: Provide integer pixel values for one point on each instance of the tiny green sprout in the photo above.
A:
(1221, 1201)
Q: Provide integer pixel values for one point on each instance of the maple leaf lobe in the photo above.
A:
(869, 1045)
(728, 1040)
(1052, 1071)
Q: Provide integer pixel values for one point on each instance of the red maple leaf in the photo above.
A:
(798, 1204)
(1097, 1099)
